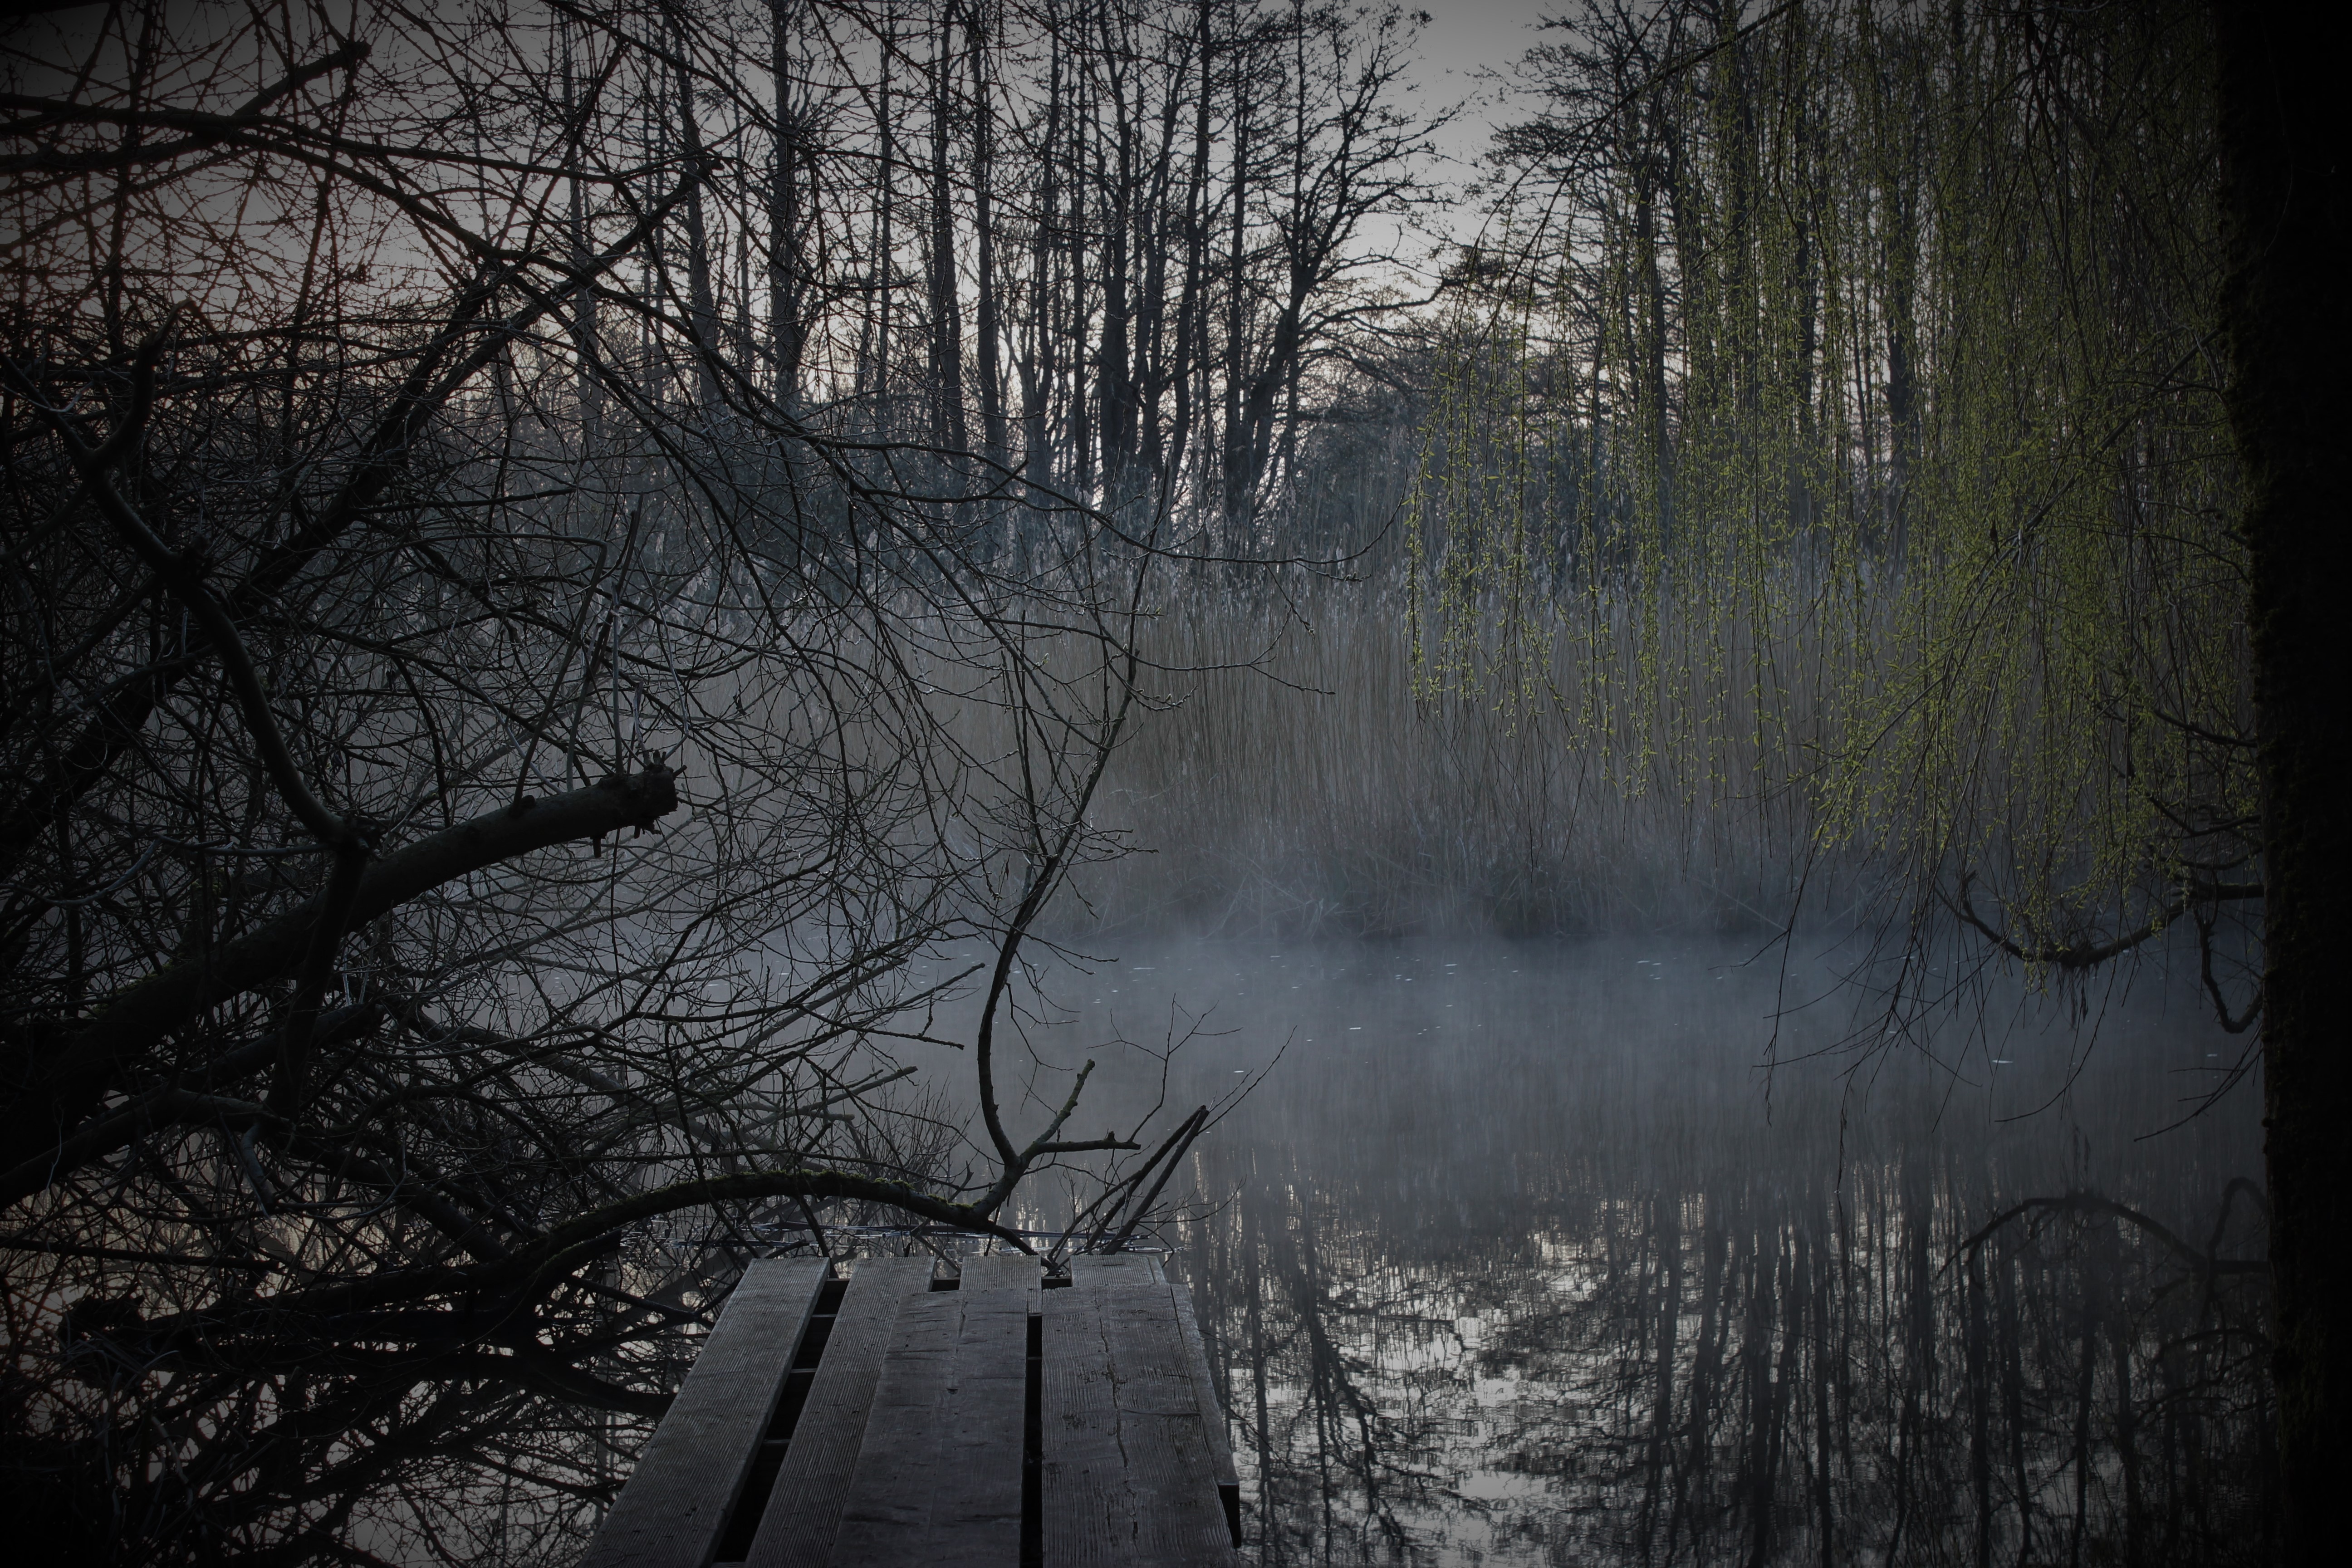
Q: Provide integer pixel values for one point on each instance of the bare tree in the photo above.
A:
(503, 743)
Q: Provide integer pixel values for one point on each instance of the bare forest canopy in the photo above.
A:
(583, 578)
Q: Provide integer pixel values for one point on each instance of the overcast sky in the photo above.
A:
(1462, 37)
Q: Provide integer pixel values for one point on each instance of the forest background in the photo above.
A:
(915, 456)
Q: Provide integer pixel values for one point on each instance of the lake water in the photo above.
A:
(1515, 1254)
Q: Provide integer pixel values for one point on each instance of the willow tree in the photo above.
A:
(1850, 398)
(1832, 432)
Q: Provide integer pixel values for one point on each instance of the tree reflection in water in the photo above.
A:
(1522, 1269)
(1484, 1325)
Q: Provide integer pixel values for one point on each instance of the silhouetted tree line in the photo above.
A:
(563, 564)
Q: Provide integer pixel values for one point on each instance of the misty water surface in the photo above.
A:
(1514, 1254)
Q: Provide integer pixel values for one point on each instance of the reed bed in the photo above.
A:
(1299, 775)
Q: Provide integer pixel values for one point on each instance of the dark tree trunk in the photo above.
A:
(1191, 329)
(587, 350)
(948, 431)
(874, 364)
(2283, 309)
(990, 323)
(1115, 394)
(1037, 365)
(787, 269)
(701, 301)
(1152, 230)
(1237, 480)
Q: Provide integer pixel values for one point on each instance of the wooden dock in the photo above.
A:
(997, 1418)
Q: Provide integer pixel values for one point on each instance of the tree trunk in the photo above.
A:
(582, 314)
(701, 301)
(787, 269)
(990, 323)
(1115, 394)
(1191, 329)
(947, 432)
(1036, 363)
(2282, 310)
(1236, 366)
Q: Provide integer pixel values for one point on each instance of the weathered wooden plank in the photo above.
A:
(1005, 1271)
(670, 1512)
(1117, 1271)
(938, 1478)
(1170, 1480)
(898, 1450)
(1128, 1477)
(976, 1499)
(1213, 1411)
(804, 1507)
(1081, 1497)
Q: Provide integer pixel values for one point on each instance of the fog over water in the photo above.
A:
(1514, 1253)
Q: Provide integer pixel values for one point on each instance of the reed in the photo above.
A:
(1297, 777)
